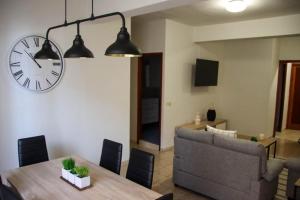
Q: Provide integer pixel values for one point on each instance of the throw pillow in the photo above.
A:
(228, 133)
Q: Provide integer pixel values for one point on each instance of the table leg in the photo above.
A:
(295, 192)
(268, 152)
(275, 145)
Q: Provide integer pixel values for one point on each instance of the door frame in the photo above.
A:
(281, 82)
(290, 103)
(139, 95)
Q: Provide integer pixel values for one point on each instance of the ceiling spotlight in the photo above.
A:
(236, 5)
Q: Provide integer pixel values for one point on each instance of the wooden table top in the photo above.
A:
(265, 142)
(42, 182)
(202, 124)
(297, 184)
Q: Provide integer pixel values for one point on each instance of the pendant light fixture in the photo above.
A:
(78, 50)
(122, 47)
(46, 52)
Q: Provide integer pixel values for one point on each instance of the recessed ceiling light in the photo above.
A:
(236, 5)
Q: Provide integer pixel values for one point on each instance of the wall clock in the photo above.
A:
(31, 74)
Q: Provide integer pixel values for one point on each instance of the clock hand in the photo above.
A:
(33, 59)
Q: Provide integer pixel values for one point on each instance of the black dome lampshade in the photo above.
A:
(78, 49)
(123, 47)
(46, 52)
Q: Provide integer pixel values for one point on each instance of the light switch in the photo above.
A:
(169, 103)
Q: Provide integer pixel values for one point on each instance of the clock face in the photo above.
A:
(34, 75)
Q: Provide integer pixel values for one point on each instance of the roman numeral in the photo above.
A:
(56, 64)
(15, 64)
(36, 41)
(18, 52)
(18, 73)
(37, 85)
(55, 73)
(48, 82)
(19, 77)
(26, 83)
(25, 43)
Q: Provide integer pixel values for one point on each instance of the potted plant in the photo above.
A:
(68, 165)
(72, 175)
(253, 139)
(82, 179)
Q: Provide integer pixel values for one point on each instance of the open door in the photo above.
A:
(149, 98)
(293, 118)
(280, 96)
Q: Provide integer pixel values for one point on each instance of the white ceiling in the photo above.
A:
(213, 11)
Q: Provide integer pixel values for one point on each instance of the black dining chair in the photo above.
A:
(166, 197)
(32, 150)
(7, 193)
(141, 167)
(111, 156)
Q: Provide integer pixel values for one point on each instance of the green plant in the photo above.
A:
(253, 139)
(68, 164)
(82, 171)
(72, 171)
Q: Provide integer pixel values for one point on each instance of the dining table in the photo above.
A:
(42, 182)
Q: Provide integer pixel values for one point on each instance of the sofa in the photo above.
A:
(222, 167)
(293, 166)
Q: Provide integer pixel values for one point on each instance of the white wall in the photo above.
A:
(90, 103)
(150, 37)
(258, 28)
(181, 100)
(289, 48)
(246, 83)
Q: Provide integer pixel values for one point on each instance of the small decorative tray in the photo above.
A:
(74, 186)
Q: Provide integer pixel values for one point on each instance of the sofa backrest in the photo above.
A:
(195, 135)
(245, 147)
(226, 161)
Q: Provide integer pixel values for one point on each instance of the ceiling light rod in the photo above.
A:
(65, 11)
(88, 19)
(122, 47)
(92, 15)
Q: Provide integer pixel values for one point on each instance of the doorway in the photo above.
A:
(293, 117)
(287, 111)
(149, 98)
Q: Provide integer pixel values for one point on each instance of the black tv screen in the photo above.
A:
(206, 73)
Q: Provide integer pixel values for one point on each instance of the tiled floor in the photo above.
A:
(162, 181)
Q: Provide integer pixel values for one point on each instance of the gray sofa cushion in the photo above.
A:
(243, 146)
(195, 135)
(293, 163)
(274, 167)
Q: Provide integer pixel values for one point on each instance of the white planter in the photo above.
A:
(65, 173)
(82, 182)
(71, 178)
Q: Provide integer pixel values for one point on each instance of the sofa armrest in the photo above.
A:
(293, 164)
(274, 167)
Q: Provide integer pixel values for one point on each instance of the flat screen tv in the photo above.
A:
(206, 73)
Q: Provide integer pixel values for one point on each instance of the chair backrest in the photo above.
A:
(7, 193)
(32, 150)
(111, 156)
(166, 197)
(141, 167)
